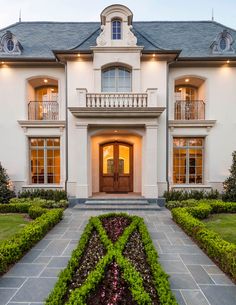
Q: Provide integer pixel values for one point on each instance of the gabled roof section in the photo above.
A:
(194, 38)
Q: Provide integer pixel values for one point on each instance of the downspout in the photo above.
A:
(167, 123)
(66, 142)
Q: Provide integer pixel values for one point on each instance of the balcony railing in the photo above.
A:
(45, 110)
(116, 100)
(189, 110)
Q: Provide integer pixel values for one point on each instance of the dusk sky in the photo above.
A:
(89, 10)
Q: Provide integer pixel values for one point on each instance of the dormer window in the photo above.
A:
(223, 43)
(9, 45)
(116, 29)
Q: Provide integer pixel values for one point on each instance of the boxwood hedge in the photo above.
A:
(12, 249)
(219, 250)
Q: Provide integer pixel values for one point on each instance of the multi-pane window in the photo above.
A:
(116, 79)
(45, 160)
(116, 29)
(188, 160)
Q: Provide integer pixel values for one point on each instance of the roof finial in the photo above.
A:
(212, 15)
(20, 16)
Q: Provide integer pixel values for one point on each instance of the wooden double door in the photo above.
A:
(116, 167)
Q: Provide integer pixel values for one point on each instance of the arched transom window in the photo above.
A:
(116, 79)
(116, 29)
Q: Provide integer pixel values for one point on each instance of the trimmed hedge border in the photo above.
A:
(219, 250)
(114, 252)
(12, 249)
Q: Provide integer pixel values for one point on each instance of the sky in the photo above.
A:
(89, 10)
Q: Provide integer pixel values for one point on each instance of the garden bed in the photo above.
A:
(189, 215)
(13, 248)
(115, 263)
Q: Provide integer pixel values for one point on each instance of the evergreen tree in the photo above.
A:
(230, 183)
(5, 192)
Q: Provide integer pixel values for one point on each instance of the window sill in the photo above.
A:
(191, 186)
(49, 186)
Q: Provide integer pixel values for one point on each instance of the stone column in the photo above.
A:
(150, 188)
(81, 162)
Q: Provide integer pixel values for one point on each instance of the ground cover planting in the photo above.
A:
(190, 215)
(114, 263)
(10, 224)
(224, 225)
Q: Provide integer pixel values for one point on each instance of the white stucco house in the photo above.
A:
(117, 106)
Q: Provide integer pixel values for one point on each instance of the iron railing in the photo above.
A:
(43, 110)
(189, 110)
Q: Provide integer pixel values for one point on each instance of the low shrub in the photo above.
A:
(55, 195)
(14, 248)
(49, 204)
(35, 212)
(175, 195)
(15, 208)
(221, 251)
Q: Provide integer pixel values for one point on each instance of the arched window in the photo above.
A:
(116, 79)
(223, 44)
(116, 29)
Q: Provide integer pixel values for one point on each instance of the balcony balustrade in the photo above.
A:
(43, 110)
(189, 110)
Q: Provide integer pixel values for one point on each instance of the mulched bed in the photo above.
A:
(113, 290)
(93, 253)
(135, 252)
(115, 226)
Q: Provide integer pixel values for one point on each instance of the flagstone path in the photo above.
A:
(194, 278)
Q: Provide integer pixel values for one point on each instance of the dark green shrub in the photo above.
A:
(181, 195)
(230, 182)
(15, 208)
(5, 192)
(14, 248)
(55, 195)
(43, 203)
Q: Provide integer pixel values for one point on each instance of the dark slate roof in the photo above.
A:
(194, 38)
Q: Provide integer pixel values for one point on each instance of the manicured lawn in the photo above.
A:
(11, 224)
(224, 224)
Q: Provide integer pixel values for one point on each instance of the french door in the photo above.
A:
(116, 167)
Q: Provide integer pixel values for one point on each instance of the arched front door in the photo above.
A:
(116, 167)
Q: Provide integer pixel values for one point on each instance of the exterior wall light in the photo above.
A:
(187, 80)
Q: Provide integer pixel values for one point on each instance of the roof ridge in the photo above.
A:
(85, 39)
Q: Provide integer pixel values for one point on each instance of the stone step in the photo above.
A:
(116, 202)
(113, 207)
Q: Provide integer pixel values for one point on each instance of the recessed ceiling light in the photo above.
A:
(186, 80)
(45, 80)
(228, 61)
(153, 55)
(78, 55)
(115, 130)
(3, 62)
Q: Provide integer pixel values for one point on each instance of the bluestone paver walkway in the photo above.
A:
(194, 278)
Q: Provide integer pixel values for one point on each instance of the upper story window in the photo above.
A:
(223, 43)
(116, 79)
(9, 45)
(116, 29)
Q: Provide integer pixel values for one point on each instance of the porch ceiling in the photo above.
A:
(85, 112)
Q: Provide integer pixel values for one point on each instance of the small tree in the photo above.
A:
(5, 192)
(230, 183)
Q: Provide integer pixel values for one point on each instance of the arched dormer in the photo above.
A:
(223, 43)
(116, 27)
(9, 45)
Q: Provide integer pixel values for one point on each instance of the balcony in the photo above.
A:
(189, 110)
(43, 110)
(117, 104)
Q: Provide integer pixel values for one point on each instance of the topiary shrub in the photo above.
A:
(5, 191)
(230, 182)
